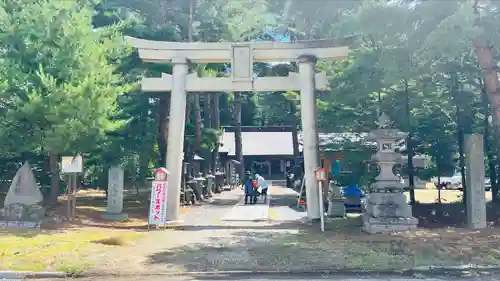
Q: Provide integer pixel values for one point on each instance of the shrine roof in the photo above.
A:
(331, 138)
(283, 128)
(262, 143)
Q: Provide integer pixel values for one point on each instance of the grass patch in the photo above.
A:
(73, 269)
(70, 251)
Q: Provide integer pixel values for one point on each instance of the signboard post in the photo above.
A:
(320, 176)
(72, 165)
(158, 202)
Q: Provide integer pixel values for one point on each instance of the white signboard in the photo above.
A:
(158, 206)
(72, 164)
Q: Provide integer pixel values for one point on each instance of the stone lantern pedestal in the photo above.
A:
(386, 206)
(336, 201)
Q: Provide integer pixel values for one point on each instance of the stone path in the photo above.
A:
(281, 211)
(221, 235)
(249, 212)
(252, 241)
(241, 212)
(174, 250)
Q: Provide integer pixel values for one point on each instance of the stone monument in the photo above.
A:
(386, 206)
(336, 201)
(22, 206)
(115, 195)
(476, 201)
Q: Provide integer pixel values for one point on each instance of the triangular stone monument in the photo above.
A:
(24, 189)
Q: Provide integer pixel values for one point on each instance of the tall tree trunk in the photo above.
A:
(54, 177)
(295, 134)
(197, 116)
(144, 155)
(216, 125)
(490, 76)
(438, 170)
(207, 123)
(237, 134)
(488, 145)
(207, 112)
(197, 108)
(409, 143)
(162, 135)
(460, 130)
(188, 155)
(460, 136)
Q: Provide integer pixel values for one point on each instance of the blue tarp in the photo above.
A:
(352, 191)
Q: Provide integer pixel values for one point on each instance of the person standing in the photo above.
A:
(248, 187)
(263, 186)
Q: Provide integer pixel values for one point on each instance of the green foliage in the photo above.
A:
(59, 74)
(69, 84)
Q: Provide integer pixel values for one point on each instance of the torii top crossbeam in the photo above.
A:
(158, 51)
(241, 56)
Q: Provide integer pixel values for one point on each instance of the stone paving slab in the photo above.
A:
(280, 212)
(250, 212)
(242, 212)
(278, 190)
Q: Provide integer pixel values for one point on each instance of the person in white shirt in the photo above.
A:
(262, 185)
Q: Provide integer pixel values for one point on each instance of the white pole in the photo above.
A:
(321, 207)
(175, 143)
(310, 133)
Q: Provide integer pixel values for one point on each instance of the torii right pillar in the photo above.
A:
(310, 146)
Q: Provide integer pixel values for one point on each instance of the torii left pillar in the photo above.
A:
(175, 142)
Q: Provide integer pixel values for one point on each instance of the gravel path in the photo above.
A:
(205, 243)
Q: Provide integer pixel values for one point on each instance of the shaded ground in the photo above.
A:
(77, 245)
(206, 243)
(293, 245)
(290, 246)
(91, 205)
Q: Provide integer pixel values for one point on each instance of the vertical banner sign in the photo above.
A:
(158, 206)
(320, 177)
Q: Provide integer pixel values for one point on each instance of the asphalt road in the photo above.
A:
(284, 278)
(165, 278)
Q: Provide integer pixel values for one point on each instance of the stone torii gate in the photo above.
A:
(241, 56)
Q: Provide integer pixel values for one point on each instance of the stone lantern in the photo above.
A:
(386, 206)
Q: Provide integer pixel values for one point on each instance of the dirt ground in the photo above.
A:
(440, 240)
(91, 205)
(285, 246)
(71, 246)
